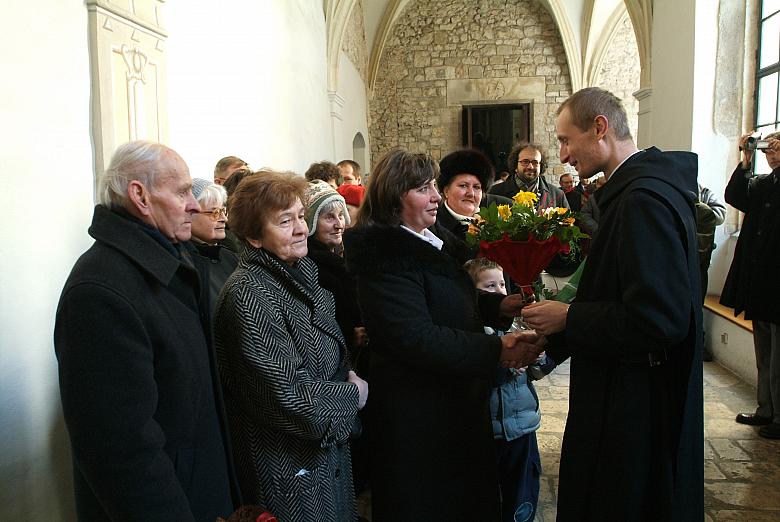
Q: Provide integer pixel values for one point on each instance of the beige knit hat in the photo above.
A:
(318, 195)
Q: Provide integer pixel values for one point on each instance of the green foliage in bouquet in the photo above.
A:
(521, 221)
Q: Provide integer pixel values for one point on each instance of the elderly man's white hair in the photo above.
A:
(135, 160)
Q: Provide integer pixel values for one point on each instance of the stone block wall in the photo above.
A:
(620, 69)
(437, 43)
(354, 42)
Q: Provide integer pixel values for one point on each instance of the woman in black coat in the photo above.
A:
(431, 363)
(208, 230)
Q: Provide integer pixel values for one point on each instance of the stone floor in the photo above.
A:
(741, 469)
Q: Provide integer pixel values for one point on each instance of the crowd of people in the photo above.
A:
(283, 341)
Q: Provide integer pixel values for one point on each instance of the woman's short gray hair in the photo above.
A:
(213, 195)
(136, 160)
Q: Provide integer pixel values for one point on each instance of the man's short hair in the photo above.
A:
(585, 104)
(225, 163)
(565, 174)
(354, 164)
(324, 170)
(511, 161)
(133, 161)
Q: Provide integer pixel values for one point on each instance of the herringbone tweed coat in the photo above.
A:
(278, 345)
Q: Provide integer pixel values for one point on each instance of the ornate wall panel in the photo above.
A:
(127, 56)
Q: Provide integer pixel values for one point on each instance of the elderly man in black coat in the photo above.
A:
(751, 285)
(633, 446)
(136, 369)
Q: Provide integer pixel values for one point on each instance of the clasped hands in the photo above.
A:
(521, 348)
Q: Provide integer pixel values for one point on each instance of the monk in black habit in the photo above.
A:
(633, 446)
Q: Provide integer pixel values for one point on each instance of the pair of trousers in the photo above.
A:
(765, 339)
(519, 468)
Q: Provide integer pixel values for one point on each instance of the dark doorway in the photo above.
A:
(495, 129)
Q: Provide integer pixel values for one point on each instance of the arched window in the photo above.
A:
(359, 152)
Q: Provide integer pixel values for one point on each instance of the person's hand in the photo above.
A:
(360, 336)
(362, 388)
(521, 348)
(546, 317)
(747, 155)
(512, 304)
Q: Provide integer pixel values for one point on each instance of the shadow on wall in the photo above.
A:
(62, 468)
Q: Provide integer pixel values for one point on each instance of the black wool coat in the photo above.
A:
(431, 370)
(751, 286)
(138, 383)
(633, 445)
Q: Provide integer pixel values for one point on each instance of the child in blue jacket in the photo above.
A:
(514, 411)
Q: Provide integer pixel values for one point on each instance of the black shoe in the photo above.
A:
(751, 419)
(770, 431)
(706, 356)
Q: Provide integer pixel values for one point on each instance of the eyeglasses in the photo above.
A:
(524, 163)
(215, 214)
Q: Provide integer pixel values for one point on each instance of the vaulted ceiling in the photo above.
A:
(586, 28)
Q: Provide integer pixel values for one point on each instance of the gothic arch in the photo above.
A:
(641, 13)
(603, 44)
(337, 13)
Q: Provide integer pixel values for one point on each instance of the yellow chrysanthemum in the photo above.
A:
(525, 198)
(569, 221)
(562, 211)
(504, 211)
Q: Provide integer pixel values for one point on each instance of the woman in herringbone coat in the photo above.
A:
(291, 401)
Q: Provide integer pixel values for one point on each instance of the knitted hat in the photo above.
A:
(353, 194)
(465, 161)
(318, 195)
(198, 184)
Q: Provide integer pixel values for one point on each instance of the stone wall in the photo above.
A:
(490, 47)
(620, 69)
(353, 44)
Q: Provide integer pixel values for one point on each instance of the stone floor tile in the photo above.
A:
(711, 471)
(762, 449)
(717, 409)
(728, 429)
(553, 406)
(552, 423)
(759, 471)
(728, 450)
(553, 392)
(757, 495)
(558, 379)
(720, 379)
(731, 515)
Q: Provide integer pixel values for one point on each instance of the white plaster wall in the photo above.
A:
(47, 182)
(672, 74)
(354, 113)
(248, 78)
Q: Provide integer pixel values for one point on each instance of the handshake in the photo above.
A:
(520, 349)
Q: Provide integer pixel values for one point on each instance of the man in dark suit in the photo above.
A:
(573, 196)
(634, 435)
(137, 377)
(529, 164)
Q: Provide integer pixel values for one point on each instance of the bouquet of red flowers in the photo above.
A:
(523, 240)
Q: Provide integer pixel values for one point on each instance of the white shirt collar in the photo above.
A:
(459, 217)
(625, 160)
(427, 236)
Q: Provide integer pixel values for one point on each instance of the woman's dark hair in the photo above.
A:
(511, 161)
(256, 197)
(396, 173)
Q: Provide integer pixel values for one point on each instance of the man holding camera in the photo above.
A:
(752, 285)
